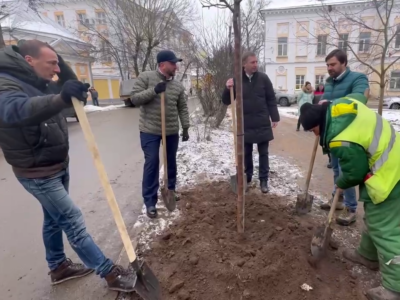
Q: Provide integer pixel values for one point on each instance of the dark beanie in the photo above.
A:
(312, 115)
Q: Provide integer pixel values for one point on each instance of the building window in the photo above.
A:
(82, 18)
(300, 82)
(397, 41)
(321, 44)
(105, 53)
(343, 41)
(60, 20)
(365, 40)
(319, 79)
(395, 80)
(282, 46)
(101, 18)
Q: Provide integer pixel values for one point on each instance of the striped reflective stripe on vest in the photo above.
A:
(375, 143)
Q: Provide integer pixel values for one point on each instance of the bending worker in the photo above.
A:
(369, 152)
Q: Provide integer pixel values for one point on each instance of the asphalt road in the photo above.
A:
(23, 268)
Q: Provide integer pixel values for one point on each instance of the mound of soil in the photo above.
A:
(202, 256)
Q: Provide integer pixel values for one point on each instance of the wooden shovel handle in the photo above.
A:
(233, 110)
(333, 208)
(112, 202)
(164, 139)
(310, 168)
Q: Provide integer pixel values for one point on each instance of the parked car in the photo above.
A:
(70, 112)
(392, 102)
(284, 99)
(125, 89)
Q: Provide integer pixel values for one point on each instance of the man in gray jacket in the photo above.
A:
(34, 140)
(146, 94)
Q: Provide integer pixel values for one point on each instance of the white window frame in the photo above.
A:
(394, 83)
(282, 46)
(343, 43)
(300, 81)
(83, 19)
(319, 79)
(101, 18)
(322, 41)
(60, 20)
(364, 42)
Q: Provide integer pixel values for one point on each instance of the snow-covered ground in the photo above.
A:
(393, 116)
(92, 108)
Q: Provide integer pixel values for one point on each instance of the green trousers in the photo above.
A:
(380, 240)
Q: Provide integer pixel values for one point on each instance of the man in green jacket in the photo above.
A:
(342, 82)
(146, 95)
(369, 152)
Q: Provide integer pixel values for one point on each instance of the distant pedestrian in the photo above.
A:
(34, 140)
(146, 95)
(319, 91)
(95, 96)
(191, 92)
(306, 96)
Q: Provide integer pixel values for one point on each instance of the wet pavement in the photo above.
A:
(23, 268)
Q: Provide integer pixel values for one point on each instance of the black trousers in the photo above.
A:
(263, 159)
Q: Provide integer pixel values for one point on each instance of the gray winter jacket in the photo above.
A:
(143, 95)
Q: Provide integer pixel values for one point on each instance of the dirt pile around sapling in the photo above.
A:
(202, 257)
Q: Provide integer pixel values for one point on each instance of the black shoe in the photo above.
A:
(151, 212)
(67, 271)
(264, 186)
(121, 280)
(329, 166)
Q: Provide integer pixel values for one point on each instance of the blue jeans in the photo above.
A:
(350, 200)
(61, 214)
(151, 172)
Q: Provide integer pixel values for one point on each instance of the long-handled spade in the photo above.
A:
(146, 285)
(305, 200)
(234, 179)
(167, 195)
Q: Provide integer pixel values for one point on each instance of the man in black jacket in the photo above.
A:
(260, 114)
(34, 140)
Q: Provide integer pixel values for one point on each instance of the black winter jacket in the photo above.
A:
(33, 132)
(259, 108)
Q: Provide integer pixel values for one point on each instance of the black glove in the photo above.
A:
(74, 88)
(160, 87)
(185, 135)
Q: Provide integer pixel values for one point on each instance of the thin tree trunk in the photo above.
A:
(2, 42)
(147, 56)
(239, 111)
(381, 95)
(184, 72)
(136, 58)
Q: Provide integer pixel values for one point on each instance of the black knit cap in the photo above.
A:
(312, 115)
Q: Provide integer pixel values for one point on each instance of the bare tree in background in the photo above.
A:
(9, 7)
(368, 32)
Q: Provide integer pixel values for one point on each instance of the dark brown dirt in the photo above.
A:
(202, 257)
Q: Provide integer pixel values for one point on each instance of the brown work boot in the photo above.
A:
(121, 280)
(346, 217)
(355, 257)
(67, 271)
(327, 205)
(381, 293)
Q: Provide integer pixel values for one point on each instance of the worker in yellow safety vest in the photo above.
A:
(368, 149)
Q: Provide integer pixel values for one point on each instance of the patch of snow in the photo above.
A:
(277, 4)
(92, 108)
(289, 112)
(306, 287)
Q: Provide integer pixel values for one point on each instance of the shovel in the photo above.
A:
(322, 236)
(146, 285)
(305, 200)
(234, 179)
(167, 195)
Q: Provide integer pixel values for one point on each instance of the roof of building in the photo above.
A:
(26, 19)
(287, 4)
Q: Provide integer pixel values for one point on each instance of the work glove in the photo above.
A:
(74, 88)
(185, 135)
(160, 87)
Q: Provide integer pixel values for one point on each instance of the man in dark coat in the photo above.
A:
(260, 113)
(34, 140)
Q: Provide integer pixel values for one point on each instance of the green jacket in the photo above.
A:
(143, 95)
(353, 158)
(304, 98)
(349, 83)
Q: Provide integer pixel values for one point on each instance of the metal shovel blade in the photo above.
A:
(320, 241)
(147, 285)
(234, 183)
(304, 203)
(168, 197)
